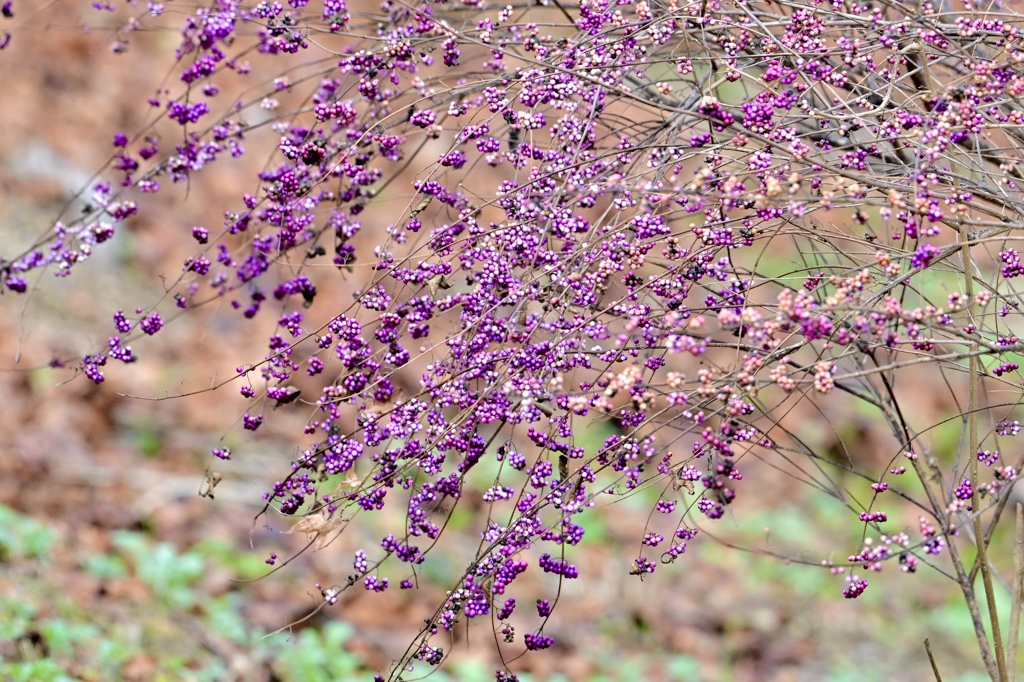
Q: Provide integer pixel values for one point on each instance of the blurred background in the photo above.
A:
(114, 566)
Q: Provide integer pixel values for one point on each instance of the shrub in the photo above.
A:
(702, 221)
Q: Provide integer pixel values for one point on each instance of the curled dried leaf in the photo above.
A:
(320, 525)
(420, 207)
(437, 282)
(211, 481)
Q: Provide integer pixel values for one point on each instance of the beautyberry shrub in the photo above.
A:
(684, 217)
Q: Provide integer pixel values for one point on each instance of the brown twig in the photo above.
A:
(1018, 577)
(972, 447)
(931, 659)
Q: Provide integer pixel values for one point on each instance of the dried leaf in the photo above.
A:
(681, 483)
(437, 282)
(211, 481)
(319, 524)
(420, 207)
